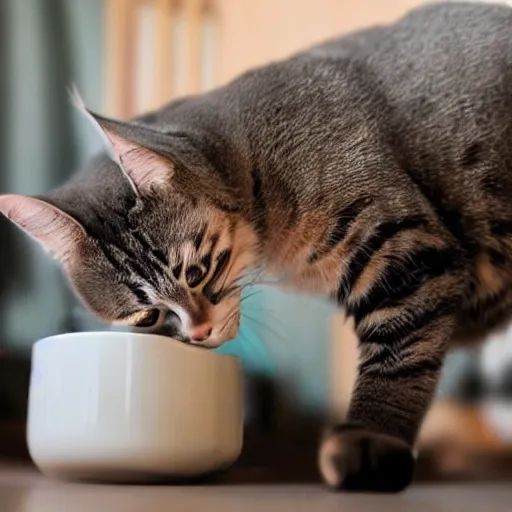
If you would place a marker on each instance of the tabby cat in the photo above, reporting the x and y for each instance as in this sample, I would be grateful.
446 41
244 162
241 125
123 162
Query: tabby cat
375 169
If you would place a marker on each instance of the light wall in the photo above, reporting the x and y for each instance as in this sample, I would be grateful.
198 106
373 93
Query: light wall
254 32
159 49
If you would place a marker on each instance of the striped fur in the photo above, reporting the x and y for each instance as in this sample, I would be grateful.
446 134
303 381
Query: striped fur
375 169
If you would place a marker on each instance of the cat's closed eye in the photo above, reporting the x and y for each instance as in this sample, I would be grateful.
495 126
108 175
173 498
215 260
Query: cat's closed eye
194 276
150 319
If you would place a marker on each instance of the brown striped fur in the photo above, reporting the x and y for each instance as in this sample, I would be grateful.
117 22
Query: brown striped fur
376 169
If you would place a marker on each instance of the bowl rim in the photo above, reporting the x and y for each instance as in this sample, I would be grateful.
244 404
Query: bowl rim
155 338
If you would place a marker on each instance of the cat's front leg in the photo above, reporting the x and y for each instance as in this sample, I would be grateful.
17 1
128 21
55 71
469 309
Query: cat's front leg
396 381
402 285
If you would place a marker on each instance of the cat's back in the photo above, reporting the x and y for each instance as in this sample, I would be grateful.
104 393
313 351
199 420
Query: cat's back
429 35
443 52
440 52
440 82
442 69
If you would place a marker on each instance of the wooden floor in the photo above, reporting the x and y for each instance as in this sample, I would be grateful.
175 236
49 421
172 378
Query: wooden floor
24 490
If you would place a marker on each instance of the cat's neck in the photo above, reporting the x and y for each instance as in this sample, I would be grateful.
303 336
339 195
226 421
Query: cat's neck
241 155
214 132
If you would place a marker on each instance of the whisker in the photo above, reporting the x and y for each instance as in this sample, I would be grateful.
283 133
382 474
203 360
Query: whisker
244 338
235 286
272 331
267 312
233 312
254 293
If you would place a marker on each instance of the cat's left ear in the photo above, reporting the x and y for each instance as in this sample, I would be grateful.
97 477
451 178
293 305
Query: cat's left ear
58 233
146 169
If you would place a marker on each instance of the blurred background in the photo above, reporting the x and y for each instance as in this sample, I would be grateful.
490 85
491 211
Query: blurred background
128 57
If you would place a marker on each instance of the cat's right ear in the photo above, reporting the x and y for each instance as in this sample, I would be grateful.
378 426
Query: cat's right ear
58 233
145 169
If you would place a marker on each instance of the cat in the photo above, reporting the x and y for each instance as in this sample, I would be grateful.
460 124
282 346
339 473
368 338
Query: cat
375 169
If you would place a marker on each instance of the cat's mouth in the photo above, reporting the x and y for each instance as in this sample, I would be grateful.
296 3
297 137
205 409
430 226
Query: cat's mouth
223 323
226 332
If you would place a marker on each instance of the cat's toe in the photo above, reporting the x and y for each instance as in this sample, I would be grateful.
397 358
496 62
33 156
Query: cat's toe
355 459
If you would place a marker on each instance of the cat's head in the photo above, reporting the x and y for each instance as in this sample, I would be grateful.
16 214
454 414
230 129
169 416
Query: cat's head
150 238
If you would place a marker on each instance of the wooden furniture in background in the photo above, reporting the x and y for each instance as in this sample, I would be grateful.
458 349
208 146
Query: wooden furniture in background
155 51
118 62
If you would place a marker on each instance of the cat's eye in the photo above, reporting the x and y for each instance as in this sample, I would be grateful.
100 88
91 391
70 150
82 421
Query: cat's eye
150 319
194 275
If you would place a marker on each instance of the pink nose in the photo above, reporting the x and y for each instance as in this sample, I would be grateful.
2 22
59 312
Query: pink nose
201 332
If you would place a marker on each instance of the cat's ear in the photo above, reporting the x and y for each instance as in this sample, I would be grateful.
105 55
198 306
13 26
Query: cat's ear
58 233
146 169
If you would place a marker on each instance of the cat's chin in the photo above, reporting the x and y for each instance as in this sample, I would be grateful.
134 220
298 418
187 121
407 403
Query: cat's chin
215 341
209 345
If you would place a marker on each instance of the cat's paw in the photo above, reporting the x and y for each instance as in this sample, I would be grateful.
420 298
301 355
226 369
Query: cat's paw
355 459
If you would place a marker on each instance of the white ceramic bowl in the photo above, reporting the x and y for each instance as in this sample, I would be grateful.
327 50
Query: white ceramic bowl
131 407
